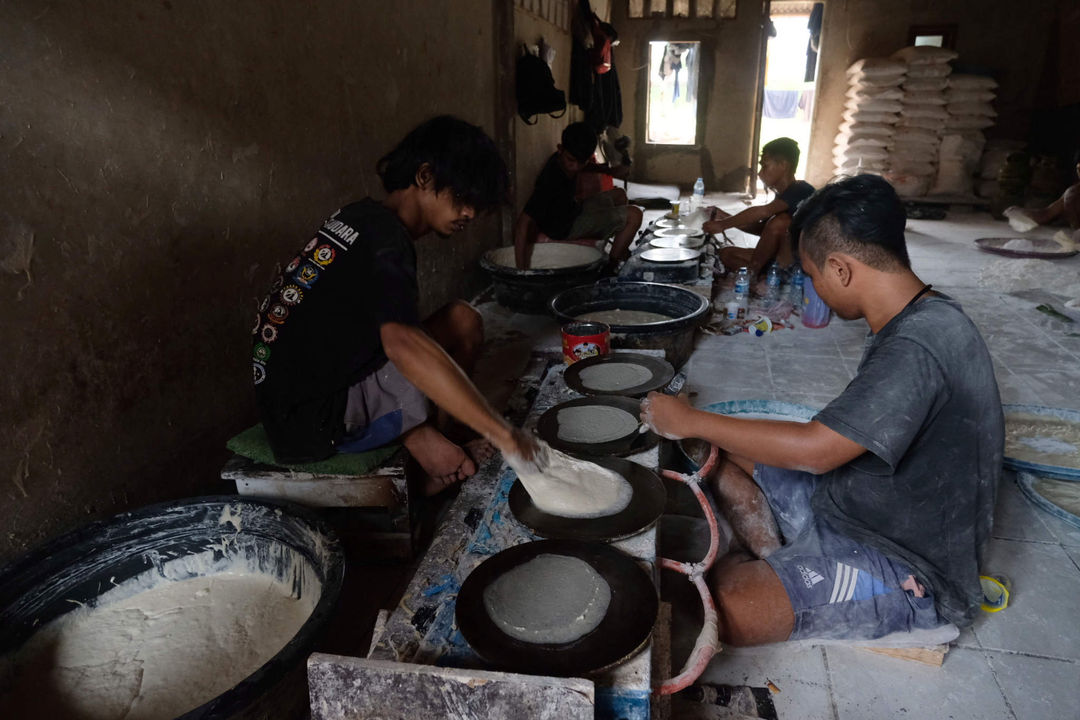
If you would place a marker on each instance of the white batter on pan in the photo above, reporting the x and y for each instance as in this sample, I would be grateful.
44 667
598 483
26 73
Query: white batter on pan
594 424
618 316
565 486
1043 440
614 376
552 599
159 652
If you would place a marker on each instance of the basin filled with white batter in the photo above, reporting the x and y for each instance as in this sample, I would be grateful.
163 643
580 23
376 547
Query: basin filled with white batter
553 268
196 609
642 315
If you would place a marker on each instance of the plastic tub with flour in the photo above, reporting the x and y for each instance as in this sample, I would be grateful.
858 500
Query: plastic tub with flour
200 608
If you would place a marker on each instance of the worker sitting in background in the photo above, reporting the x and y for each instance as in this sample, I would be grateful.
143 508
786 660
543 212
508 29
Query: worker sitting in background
342 361
1066 207
555 209
779 159
871 518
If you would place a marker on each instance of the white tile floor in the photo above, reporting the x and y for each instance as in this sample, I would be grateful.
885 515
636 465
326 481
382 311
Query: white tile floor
1023 663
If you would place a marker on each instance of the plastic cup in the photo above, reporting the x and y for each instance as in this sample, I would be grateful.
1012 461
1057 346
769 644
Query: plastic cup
815 313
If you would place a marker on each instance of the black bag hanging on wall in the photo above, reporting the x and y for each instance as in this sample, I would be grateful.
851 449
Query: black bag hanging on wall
536 91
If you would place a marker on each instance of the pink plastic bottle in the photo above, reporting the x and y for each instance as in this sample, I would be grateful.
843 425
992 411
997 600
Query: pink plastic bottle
815 313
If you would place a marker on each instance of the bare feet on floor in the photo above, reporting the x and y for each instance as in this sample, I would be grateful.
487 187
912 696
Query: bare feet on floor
444 462
480 450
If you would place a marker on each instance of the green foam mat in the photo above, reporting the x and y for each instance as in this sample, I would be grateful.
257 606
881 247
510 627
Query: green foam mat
253 444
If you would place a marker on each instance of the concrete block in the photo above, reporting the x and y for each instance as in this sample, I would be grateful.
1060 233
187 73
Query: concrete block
347 688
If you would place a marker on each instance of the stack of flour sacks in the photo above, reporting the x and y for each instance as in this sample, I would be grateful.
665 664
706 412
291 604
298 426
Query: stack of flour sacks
968 103
910 119
870 115
915 147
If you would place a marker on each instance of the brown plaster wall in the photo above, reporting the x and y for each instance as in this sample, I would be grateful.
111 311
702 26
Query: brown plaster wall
159 159
1002 36
726 104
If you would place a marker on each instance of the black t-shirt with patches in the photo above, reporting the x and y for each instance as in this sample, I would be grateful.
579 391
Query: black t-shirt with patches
318 328
552 205
925 405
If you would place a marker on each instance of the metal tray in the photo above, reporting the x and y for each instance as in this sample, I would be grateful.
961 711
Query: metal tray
622 633
1044 248
661 370
646 505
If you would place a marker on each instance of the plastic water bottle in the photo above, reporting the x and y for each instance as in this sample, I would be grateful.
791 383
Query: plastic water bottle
697 201
796 289
772 283
742 294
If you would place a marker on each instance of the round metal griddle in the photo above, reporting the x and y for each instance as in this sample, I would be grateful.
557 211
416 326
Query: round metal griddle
1044 248
680 230
671 255
677 241
661 370
622 633
547 427
646 505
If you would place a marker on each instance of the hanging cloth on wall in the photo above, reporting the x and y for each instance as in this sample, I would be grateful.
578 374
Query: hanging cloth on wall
597 93
814 43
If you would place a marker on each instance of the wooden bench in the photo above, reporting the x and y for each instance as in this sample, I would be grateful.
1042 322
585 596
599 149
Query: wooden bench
376 513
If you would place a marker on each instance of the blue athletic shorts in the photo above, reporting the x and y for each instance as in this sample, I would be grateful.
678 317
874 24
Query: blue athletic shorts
839 588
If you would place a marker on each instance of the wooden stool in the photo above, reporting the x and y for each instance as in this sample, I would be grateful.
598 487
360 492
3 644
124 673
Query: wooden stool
376 513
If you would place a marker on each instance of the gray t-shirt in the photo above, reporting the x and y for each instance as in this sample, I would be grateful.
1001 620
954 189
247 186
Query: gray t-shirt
925 404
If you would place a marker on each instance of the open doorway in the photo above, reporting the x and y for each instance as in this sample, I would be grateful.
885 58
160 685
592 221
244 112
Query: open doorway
787 102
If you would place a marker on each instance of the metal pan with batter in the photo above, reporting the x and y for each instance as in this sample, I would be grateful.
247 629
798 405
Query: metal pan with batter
547 427
623 632
661 374
646 505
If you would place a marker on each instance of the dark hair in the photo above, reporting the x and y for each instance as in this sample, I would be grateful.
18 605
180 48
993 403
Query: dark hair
784 149
861 216
579 140
461 156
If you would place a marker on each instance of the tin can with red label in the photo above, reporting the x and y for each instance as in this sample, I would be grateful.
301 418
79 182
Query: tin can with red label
581 340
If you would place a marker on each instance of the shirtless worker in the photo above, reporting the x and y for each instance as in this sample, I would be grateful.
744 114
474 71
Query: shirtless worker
779 159
871 518
342 360
555 208
1066 207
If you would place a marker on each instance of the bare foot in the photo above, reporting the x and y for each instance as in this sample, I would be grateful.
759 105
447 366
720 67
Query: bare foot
480 450
444 462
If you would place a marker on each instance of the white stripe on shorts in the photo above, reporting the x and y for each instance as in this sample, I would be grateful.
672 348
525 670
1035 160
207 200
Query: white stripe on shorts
844 585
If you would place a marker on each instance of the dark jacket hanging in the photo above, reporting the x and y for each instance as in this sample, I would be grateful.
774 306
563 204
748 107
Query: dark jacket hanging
598 95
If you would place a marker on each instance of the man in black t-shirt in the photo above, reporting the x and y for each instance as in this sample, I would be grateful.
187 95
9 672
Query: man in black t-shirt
871 518
556 210
342 360
779 159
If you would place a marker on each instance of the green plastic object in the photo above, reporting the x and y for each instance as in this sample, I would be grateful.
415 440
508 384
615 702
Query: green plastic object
253 444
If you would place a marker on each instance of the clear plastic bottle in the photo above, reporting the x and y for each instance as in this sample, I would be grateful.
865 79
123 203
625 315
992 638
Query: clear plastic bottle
742 293
795 291
697 200
772 283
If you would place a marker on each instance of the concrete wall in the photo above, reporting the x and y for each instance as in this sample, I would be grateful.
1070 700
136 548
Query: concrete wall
159 160
1001 36
726 104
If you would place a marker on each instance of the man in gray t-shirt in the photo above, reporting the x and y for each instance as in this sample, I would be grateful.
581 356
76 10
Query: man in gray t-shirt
871 518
